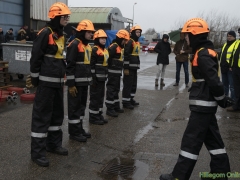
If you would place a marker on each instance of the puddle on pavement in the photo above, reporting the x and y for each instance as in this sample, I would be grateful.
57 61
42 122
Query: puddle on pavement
143 132
124 168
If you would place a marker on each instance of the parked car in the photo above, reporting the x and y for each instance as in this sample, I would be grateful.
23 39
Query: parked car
150 47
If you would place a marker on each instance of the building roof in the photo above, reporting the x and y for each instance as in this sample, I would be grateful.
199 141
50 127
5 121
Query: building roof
95 14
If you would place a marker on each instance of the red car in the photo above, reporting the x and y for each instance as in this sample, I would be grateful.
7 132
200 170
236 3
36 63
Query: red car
150 47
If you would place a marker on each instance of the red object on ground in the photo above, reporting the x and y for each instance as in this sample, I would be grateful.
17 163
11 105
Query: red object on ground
3 92
16 89
3 97
27 97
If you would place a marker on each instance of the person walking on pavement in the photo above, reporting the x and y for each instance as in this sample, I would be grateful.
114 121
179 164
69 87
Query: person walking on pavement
47 72
224 58
99 70
206 93
181 50
235 67
131 65
163 49
115 66
79 76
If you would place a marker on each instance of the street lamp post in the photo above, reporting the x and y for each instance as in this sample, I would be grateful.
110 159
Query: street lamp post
133 12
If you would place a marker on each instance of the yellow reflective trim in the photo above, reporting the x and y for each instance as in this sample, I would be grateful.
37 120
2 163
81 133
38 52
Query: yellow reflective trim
136 48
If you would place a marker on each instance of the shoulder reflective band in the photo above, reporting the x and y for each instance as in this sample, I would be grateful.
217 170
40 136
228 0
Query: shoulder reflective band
203 103
74 121
39 135
217 151
79 62
54 128
189 155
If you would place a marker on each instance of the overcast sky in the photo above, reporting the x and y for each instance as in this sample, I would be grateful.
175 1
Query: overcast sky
163 14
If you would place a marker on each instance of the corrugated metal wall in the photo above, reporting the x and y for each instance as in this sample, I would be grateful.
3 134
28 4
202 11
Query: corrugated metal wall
39 8
11 14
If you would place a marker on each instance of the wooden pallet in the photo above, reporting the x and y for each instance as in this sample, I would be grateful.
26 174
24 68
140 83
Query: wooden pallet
4 75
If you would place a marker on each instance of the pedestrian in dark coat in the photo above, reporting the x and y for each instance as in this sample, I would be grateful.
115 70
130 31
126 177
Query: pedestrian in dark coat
163 49
9 35
2 40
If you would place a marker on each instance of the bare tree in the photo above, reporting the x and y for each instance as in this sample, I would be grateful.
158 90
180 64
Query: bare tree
219 24
150 31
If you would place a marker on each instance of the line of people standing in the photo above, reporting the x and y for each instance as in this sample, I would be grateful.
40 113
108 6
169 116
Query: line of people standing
85 65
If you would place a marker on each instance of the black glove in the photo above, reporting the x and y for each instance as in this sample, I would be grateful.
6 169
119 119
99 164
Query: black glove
226 102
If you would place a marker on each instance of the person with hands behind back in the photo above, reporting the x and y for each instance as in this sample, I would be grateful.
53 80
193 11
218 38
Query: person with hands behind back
79 77
99 70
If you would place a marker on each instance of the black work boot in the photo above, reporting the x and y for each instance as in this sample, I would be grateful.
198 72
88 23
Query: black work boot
58 150
42 161
134 103
167 177
112 113
103 119
128 106
119 110
176 84
79 138
83 132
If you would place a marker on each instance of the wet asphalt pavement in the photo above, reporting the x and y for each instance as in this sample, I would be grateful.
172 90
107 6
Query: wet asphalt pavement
140 144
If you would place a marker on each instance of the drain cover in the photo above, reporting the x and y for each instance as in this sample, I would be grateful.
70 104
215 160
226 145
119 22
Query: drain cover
119 169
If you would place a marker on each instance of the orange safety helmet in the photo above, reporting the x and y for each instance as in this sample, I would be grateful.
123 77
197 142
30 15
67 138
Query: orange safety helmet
58 9
99 34
135 28
122 33
86 25
195 26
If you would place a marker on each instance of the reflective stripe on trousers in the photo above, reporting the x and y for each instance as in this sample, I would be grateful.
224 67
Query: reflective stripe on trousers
39 135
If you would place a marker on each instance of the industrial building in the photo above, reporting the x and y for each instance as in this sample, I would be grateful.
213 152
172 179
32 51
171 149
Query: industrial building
16 13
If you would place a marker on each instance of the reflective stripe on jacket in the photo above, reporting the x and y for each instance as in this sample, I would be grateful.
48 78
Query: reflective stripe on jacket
78 69
115 61
230 51
46 64
131 55
99 63
206 88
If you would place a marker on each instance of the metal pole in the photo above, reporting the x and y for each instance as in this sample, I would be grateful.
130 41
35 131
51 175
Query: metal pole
133 13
